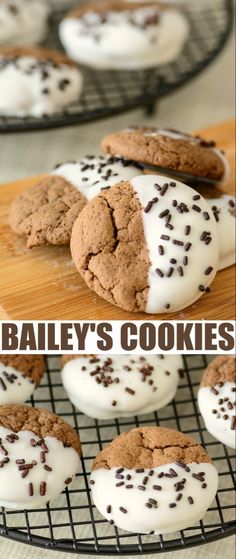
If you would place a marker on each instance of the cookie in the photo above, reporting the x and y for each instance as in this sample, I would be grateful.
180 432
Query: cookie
153 246
23 22
39 456
36 82
153 479
217 399
169 149
19 376
45 213
120 35
121 385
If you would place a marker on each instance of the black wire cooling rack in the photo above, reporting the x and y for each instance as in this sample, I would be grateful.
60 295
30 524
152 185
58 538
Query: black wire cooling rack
108 93
71 523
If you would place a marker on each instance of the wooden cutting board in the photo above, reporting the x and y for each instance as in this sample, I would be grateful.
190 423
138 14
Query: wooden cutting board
42 283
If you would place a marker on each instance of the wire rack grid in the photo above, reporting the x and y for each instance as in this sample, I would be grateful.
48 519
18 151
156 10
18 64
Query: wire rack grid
109 93
72 523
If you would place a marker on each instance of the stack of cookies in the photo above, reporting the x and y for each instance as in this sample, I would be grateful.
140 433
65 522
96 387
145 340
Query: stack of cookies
153 469
156 243
39 82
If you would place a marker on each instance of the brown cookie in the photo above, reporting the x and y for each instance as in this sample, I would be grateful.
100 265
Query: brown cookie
41 422
221 369
104 6
40 456
105 253
40 53
32 366
149 447
116 256
155 479
45 213
169 149
19 376
217 399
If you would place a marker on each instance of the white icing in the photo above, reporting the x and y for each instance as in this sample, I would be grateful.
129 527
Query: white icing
27 25
100 172
226 229
117 43
95 400
217 426
176 291
14 489
161 519
26 91
15 387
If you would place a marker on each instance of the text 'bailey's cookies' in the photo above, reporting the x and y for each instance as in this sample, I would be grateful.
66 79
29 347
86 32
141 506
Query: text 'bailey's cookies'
117 337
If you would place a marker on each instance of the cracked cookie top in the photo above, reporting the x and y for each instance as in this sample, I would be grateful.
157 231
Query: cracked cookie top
46 212
41 422
169 149
150 447
222 369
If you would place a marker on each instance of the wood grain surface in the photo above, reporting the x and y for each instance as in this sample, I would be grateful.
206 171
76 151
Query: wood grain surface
42 283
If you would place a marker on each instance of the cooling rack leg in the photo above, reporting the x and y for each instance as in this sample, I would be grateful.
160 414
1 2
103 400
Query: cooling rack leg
151 107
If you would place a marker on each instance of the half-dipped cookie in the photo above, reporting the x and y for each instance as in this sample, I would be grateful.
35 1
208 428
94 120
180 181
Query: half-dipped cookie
121 385
46 212
153 246
120 35
23 21
36 81
39 456
169 149
153 479
19 376
217 399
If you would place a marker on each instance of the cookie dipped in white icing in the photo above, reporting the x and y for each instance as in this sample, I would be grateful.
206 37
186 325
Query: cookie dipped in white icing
39 457
111 35
94 173
217 399
37 82
121 385
19 376
153 479
155 248
23 22
171 150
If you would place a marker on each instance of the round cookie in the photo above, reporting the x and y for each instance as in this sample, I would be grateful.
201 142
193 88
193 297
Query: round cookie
46 212
39 456
36 82
217 399
120 35
121 385
153 246
23 21
19 376
169 149
153 479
